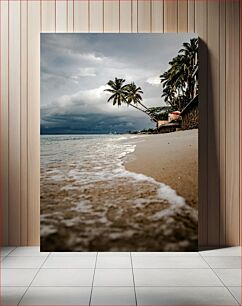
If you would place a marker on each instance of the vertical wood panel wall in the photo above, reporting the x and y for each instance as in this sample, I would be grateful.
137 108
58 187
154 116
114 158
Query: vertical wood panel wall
216 22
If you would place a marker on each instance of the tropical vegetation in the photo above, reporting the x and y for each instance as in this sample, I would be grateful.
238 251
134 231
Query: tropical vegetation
129 94
179 82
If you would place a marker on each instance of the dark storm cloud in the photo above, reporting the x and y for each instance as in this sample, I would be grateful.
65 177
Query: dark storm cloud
91 124
76 67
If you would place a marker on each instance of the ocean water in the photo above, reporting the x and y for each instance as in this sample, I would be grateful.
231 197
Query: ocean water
90 202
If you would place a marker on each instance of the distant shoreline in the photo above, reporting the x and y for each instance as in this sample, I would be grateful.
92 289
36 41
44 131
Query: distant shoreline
171 159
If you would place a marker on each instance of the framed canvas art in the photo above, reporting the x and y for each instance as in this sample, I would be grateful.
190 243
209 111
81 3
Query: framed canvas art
119 142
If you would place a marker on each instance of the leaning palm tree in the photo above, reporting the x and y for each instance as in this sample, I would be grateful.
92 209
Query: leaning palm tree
117 89
129 94
134 94
134 98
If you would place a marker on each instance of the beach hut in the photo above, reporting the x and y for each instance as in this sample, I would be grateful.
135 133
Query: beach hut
174 116
161 122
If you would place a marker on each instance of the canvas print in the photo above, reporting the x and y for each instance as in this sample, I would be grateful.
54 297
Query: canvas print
119 142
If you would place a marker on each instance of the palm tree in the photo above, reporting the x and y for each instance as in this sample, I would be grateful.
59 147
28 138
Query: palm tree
180 80
118 91
190 52
134 94
129 94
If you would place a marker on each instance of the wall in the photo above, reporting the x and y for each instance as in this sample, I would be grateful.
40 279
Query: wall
216 22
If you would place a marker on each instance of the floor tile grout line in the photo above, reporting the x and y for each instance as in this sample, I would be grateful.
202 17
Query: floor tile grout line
90 299
204 259
91 267
220 280
51 254
218 255
16 257
239 302
24 268
105 286
33 279
3 258
135 295
215 271
14 248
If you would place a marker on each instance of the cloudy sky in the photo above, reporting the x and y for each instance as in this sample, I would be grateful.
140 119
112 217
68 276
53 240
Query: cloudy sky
76 67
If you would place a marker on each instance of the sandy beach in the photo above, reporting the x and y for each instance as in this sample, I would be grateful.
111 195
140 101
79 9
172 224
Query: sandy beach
90 202
171 159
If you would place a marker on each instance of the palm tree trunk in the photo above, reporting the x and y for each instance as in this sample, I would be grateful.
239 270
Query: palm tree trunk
143 106
153 118
140 109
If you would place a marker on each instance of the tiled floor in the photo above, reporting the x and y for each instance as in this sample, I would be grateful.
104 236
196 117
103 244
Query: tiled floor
29 277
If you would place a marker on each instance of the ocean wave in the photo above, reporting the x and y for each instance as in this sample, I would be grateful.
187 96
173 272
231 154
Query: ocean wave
85 181
102 160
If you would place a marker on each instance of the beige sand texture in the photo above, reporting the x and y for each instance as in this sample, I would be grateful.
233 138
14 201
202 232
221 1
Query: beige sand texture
83 210
171 159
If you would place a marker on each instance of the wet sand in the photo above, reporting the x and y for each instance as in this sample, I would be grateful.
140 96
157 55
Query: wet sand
171 159
89 202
